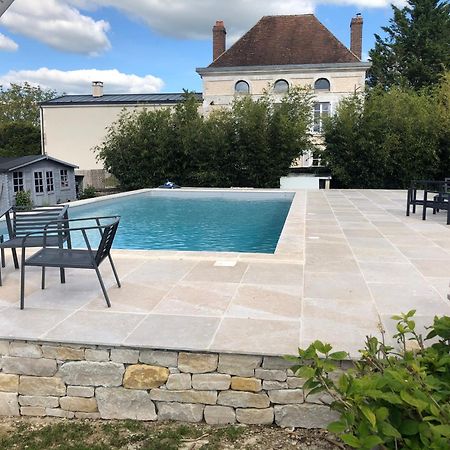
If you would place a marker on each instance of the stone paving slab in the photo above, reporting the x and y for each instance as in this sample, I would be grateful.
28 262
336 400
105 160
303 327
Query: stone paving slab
347 260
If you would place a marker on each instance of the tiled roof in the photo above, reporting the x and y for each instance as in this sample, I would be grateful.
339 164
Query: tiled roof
119 99
286 40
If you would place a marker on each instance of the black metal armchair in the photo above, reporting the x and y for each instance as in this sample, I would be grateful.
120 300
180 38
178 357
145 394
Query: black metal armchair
21 222
73 258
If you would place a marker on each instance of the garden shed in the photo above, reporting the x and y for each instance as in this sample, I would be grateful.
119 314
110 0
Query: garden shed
49 180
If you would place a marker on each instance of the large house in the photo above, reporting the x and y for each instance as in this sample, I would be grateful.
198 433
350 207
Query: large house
277 53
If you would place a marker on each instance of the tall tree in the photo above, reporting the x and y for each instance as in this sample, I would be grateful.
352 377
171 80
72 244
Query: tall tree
416 50
20 102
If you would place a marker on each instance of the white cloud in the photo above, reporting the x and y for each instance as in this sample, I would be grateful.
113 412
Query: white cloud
57 24
7 44
79 81
194 19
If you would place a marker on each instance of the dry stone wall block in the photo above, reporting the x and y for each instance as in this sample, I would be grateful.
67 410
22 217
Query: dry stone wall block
87 373
239 399
304 416
9 382
29 366
120 403
9 405
99 355
52 386
179 381
197 362
246 384
251 416
25 350
272 375
211 381
88 405
159 358
219 415
124 356
38 400
188 396
286 396
183 412
240 365
80 391
142 376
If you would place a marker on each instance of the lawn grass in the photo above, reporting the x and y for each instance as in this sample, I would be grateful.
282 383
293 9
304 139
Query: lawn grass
86 435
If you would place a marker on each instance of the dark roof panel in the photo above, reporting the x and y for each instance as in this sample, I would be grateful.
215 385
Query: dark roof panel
6 164
120 99
286 40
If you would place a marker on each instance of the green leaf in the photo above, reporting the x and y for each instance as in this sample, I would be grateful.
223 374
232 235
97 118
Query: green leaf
409 427
351 440
371 441
413 401
305 372
382 413
443 430
389 430
337 427
338 356
369 415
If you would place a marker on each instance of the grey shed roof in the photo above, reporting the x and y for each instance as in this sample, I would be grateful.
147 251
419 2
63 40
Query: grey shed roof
119 99
10 164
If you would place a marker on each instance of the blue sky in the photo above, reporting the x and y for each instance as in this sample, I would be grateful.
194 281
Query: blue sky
145 45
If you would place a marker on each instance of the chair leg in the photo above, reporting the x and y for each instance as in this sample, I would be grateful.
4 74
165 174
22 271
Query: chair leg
99 276
22 286
62 275
114 271
16 261
43 278
3 257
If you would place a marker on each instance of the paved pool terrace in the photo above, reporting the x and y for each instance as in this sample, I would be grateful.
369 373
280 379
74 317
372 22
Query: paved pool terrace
347 260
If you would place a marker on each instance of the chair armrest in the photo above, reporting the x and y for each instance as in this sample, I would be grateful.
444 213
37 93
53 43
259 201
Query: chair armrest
67 229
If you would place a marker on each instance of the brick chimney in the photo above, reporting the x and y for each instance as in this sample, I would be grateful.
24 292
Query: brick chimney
356 35
219 39
97 88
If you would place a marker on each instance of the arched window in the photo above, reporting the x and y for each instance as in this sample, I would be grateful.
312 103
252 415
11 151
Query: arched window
241 87
322 84
281 87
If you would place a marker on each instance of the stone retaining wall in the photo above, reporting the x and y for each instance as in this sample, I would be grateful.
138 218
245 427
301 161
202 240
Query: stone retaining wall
124 383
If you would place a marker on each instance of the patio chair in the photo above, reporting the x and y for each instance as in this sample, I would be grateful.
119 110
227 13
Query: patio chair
20 222
73 258
431 192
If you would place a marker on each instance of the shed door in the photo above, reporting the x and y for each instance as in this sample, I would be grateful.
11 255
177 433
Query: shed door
44 188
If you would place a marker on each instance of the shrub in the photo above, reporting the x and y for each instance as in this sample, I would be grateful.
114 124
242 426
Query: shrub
393 398
88 192
384 140
251 144
23 199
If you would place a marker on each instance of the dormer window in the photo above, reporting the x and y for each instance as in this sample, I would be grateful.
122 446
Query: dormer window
281 87
241 88
322 84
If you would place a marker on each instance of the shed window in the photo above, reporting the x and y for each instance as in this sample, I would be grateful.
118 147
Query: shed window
18 181
281 87
321 110
49 179
322 84
38 183
64 178
242 87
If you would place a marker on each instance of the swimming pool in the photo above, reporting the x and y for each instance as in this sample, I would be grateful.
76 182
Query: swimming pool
194 221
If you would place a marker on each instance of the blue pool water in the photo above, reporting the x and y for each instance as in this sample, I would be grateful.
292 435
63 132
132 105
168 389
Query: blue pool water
174 220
